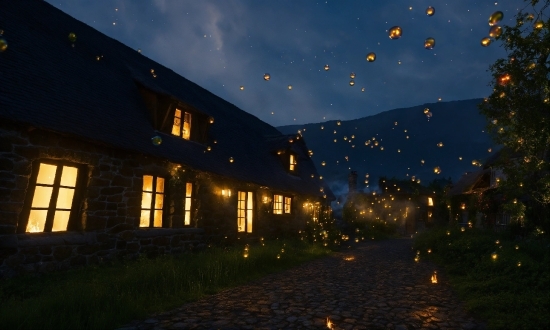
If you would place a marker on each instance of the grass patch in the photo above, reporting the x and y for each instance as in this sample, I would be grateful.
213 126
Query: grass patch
509 292
101 297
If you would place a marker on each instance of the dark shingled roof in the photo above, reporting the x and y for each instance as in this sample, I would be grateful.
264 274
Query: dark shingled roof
467 182
47 83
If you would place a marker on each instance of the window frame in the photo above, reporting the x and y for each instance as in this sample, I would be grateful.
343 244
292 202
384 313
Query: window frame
183 115
283 204
248 195
152 208
187 199
292 167
73 223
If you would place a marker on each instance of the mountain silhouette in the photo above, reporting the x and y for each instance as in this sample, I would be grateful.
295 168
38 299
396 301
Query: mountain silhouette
458 125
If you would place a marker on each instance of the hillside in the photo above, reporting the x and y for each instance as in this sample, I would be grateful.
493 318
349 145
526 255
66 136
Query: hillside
458 125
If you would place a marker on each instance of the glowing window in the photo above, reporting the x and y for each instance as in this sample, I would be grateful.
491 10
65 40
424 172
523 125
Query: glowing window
282 204
288 200
188 194
292 162
52 198
182 126
152 201
245 210
430 201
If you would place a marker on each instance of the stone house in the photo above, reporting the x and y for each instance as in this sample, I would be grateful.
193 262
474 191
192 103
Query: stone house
107 154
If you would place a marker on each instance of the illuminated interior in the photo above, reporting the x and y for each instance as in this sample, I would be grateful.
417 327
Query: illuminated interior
292 162
47 188
288 201
152 201
278 204
188 193
182 130
430 201
245 208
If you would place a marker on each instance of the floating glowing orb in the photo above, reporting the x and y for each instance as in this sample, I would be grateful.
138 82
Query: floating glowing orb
519 263
241 88
156 140
327 67
278 256
422 161
72 37
267 77
494 256
371 57
429 114
231 159
352 75
3 44
504 79
440 144
289 87
395 32
539 25
495 31
338 123
430 11
323 163
429 43
462 229
352 83
426 110
495 18
485 41
362 89
437 170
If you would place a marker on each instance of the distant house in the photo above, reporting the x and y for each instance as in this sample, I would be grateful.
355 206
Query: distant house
406 203
105 153
475 196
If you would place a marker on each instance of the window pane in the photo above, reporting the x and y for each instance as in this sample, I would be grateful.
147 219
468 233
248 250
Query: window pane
65 198
186 126
147 183
160 185
146 200
37 220
158 218
240 224
187 204
159 199
176 130
46 174
42 196
187 218
242 195
288 200
144 219
250 200
61 220
177 113
188 189
68 176
249 221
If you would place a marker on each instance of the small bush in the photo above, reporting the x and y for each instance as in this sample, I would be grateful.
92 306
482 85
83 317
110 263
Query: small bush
510 291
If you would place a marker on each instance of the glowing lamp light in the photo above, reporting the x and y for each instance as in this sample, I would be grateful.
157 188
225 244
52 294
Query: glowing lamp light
434 278
430 11
371 57
437 170
352 75
416 258
329 323
539 25
231 159
267 76
494 256
278 256
448 233
504 79
395 32
485 41
352 83
327 67
463 206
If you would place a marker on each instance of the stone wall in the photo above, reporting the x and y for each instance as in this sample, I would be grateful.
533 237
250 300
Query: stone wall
110 205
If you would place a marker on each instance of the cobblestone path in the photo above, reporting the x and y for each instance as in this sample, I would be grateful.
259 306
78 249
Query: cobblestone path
382 288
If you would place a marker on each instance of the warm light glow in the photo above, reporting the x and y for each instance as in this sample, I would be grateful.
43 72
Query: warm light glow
329 323
494 256
463 206
245 206
292 162
182 130
278 204
152 200
188 194
430 201
45 186
434 278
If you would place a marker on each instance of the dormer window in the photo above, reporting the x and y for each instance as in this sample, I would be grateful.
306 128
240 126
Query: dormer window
182 124
292 165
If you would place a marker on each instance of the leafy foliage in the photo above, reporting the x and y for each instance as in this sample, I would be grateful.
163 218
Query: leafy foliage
518 110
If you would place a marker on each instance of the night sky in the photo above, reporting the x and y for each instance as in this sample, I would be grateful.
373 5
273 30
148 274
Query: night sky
222 45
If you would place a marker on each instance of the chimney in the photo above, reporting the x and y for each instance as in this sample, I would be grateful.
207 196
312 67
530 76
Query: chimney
352 181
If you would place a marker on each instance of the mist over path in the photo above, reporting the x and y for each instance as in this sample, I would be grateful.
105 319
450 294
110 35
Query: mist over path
381 288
